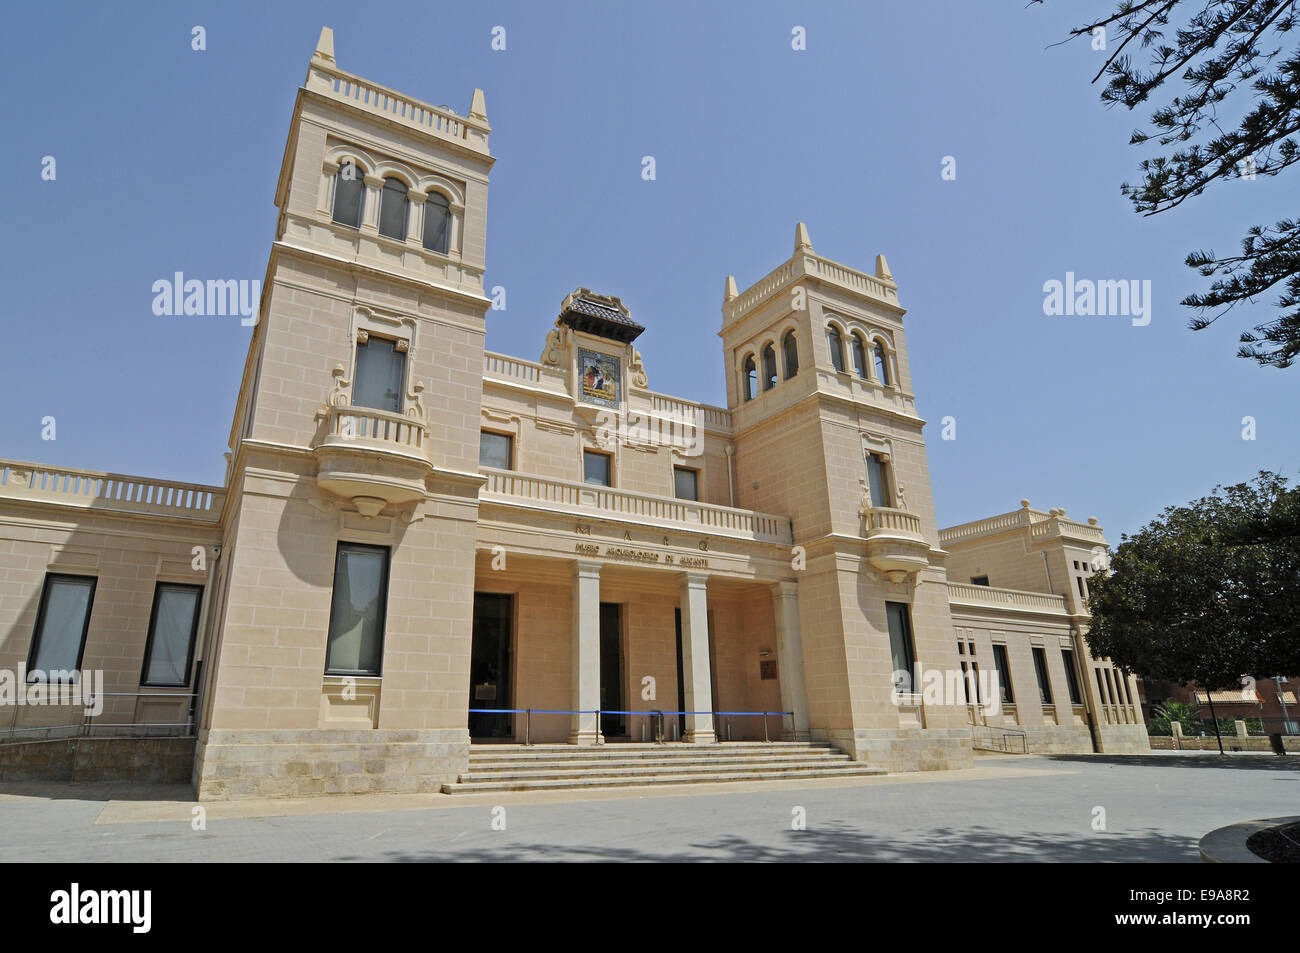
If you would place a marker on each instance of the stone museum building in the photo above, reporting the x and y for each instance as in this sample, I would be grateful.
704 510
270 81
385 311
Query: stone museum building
430 564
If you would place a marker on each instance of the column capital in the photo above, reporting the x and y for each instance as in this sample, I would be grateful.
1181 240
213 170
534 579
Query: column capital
785 589
694 580
587 568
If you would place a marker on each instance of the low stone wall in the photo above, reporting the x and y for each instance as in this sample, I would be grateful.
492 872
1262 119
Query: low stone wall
1291 743
905 749
1057 739
1124 739
138 760
234 764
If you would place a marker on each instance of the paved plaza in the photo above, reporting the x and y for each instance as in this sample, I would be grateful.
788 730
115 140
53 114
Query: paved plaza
1156 807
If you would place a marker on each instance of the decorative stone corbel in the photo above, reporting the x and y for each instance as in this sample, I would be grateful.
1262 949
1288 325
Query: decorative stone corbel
339 395
552 352
416 409
637 368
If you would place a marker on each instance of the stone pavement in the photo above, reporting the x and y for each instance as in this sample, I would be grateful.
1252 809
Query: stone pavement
1153 807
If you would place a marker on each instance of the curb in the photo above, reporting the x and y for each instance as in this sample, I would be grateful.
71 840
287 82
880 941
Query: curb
1227 845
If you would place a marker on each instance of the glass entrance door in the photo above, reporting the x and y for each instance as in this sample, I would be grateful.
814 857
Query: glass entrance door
489 667
611 671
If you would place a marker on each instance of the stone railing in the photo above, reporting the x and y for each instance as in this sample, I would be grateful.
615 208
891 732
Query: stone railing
1013 599
709 417
92 490
887 519
365 428
335 83
512 368
1059 526
583 499
984 527
815 266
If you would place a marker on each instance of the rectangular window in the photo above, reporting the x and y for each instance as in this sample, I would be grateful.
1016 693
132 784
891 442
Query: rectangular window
1072 677
979 580
878 481
1040 669
61 624
686 483
901 651
1003 668
379 376
358 610
495 450
595 468
173 625
1083 593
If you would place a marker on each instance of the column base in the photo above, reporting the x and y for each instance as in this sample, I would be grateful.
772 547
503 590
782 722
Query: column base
802 734
699 737
586 738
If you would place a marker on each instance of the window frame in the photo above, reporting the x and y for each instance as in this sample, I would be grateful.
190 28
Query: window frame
356 370
695 475
749 378
1072 683
153 631
790 353
1044 678
609 468
510 447
908 643
836 347
383 608
33 650
1002 665
860 357
880 364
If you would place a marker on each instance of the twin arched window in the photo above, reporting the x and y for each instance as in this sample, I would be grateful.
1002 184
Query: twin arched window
393 203
836 344
790 349
769 367
859 357
394 207
349 194
751 378
882 365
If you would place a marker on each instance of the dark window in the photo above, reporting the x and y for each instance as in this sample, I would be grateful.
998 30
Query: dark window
767 669
686 483
751 378
381 368
979 580
859 357
1003 668
358 610
1040 669
1083 594
901 650
595 468
1072 677
878 480
882 364
790 349
437 222
836 345
769 367
349 194
392 209
173 625
62 620
495 450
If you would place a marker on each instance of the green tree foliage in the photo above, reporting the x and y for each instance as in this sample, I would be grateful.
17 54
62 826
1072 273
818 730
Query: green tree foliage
1235 116
1206 592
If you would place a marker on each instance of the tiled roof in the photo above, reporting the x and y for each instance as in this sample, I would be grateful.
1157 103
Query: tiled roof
602 315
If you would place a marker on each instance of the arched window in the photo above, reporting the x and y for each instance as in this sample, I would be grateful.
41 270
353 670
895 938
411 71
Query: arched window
836 344
392 209
859 357
882 364
349 193
769 367
790 350
437 222
751 378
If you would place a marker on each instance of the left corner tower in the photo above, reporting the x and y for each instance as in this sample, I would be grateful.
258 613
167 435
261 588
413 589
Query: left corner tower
342 639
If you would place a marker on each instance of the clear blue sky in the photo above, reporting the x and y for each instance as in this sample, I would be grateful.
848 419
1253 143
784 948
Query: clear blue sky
167 161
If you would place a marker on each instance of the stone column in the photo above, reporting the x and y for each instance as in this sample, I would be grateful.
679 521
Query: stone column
789 658
585 656
695 657
415 218
370 210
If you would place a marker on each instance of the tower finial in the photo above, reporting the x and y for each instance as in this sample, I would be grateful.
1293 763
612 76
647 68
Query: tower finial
478 106
802 243
325 45
882 267
732 291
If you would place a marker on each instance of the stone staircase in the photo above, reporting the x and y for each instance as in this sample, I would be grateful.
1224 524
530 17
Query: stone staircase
616 765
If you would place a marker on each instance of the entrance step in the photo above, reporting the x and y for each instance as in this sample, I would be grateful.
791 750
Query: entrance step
495 768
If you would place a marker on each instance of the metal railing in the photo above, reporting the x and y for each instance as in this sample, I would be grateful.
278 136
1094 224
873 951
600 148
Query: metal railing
1007 740
656 720
85 727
